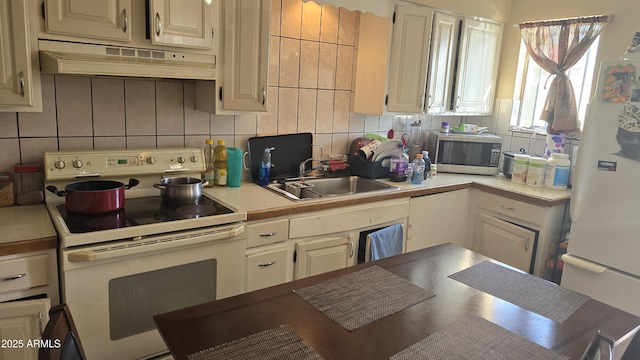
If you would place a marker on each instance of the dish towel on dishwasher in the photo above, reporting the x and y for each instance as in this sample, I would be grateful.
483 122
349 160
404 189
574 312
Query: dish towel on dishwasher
386 242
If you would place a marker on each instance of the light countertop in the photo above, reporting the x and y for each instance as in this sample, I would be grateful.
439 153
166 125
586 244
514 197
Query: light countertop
260 203
25 229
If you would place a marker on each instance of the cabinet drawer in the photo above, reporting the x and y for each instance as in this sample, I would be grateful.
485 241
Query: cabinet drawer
348 218
513 208
23 273
267 232
266 268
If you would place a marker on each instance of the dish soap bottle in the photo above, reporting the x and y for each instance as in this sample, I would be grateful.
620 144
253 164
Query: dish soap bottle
220 164
208 175
264 175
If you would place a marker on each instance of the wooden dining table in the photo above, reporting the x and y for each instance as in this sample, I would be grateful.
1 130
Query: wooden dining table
190 330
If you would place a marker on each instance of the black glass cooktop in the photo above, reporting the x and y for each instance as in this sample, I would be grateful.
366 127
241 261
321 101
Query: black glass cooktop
141 211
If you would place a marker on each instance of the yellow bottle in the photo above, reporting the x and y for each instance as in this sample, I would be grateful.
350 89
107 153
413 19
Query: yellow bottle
220 164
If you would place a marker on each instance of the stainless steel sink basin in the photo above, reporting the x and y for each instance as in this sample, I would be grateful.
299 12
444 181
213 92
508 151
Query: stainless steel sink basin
328 187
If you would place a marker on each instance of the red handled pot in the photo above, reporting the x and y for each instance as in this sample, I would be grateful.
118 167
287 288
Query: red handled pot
94 196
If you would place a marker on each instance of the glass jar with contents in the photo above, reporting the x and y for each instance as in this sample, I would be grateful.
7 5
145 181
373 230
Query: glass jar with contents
6 189
28 181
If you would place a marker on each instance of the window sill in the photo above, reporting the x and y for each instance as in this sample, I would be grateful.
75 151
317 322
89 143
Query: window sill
532 131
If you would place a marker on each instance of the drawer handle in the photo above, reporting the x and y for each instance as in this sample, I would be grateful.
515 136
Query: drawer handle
15 277
267 264
507 208
273 233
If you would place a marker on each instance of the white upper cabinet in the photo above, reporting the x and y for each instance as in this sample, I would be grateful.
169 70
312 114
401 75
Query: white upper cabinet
175 23
464 50
19 65
244 66
409 56
478 65
100 19
443 46
442 63
184 23
246 54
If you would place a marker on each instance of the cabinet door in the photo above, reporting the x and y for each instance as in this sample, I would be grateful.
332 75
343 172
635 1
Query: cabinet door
503 241
266 268
19 66
22 321
246 54
100 19
444 40
477 66
183 23
438 219
409 56
323 255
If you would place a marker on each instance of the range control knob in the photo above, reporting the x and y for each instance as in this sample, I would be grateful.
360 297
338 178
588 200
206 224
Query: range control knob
194 159
59 164
151 160
181 159
77 164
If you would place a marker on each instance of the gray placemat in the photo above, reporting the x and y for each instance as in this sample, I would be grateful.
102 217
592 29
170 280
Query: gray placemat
527 291
362 297
280 343
475 338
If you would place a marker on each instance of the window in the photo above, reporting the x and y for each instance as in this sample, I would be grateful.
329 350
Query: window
530 92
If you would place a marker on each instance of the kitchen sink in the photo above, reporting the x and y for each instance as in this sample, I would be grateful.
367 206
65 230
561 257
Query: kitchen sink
328 187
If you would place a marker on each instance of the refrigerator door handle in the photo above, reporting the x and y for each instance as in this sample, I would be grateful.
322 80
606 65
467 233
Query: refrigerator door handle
583 264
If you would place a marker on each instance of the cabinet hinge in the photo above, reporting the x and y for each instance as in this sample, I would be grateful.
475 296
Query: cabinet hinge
43 12
386 100
295 256
220 93
393 18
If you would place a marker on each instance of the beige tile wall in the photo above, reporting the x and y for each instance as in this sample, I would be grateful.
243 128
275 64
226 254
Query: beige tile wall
311 62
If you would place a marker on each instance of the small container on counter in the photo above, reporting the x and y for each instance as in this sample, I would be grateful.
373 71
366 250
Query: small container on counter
557 170
535 172
7 197
444 127
520 168
433 170
28 182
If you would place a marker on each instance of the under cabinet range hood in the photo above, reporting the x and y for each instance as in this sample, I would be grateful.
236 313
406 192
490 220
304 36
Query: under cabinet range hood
67 58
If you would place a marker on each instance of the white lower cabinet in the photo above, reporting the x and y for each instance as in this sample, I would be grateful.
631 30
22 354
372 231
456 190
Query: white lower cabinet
268 255
438 219
319 256
503 241
328 240
515 232
22 323
266 268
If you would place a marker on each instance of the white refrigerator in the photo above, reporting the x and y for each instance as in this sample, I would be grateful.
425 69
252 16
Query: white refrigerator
603 256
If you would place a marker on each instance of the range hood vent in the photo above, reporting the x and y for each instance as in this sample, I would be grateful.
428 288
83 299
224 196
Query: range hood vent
60 58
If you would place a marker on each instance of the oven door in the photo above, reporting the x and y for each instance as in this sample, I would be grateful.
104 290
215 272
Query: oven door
114 291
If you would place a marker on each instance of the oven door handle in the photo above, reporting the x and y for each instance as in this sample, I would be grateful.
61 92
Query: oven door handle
146 245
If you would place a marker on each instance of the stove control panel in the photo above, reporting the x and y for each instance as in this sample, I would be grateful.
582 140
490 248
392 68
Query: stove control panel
110 163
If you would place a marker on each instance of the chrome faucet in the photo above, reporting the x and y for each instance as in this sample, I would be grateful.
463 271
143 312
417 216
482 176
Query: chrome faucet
301 168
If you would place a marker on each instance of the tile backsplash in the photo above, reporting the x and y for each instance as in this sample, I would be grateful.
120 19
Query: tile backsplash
311 62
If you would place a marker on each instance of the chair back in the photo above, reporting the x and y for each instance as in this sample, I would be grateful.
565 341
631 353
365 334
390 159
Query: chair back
61 336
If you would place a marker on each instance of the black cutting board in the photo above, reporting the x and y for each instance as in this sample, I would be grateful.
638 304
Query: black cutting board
290 151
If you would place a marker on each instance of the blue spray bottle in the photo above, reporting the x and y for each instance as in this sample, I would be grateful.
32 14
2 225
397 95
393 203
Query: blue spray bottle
264 176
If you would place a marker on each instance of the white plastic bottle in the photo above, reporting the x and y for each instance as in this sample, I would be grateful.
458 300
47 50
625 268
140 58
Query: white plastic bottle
557 170
418 170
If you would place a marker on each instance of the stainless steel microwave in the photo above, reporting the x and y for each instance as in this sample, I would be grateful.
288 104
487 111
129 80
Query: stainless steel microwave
465 153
